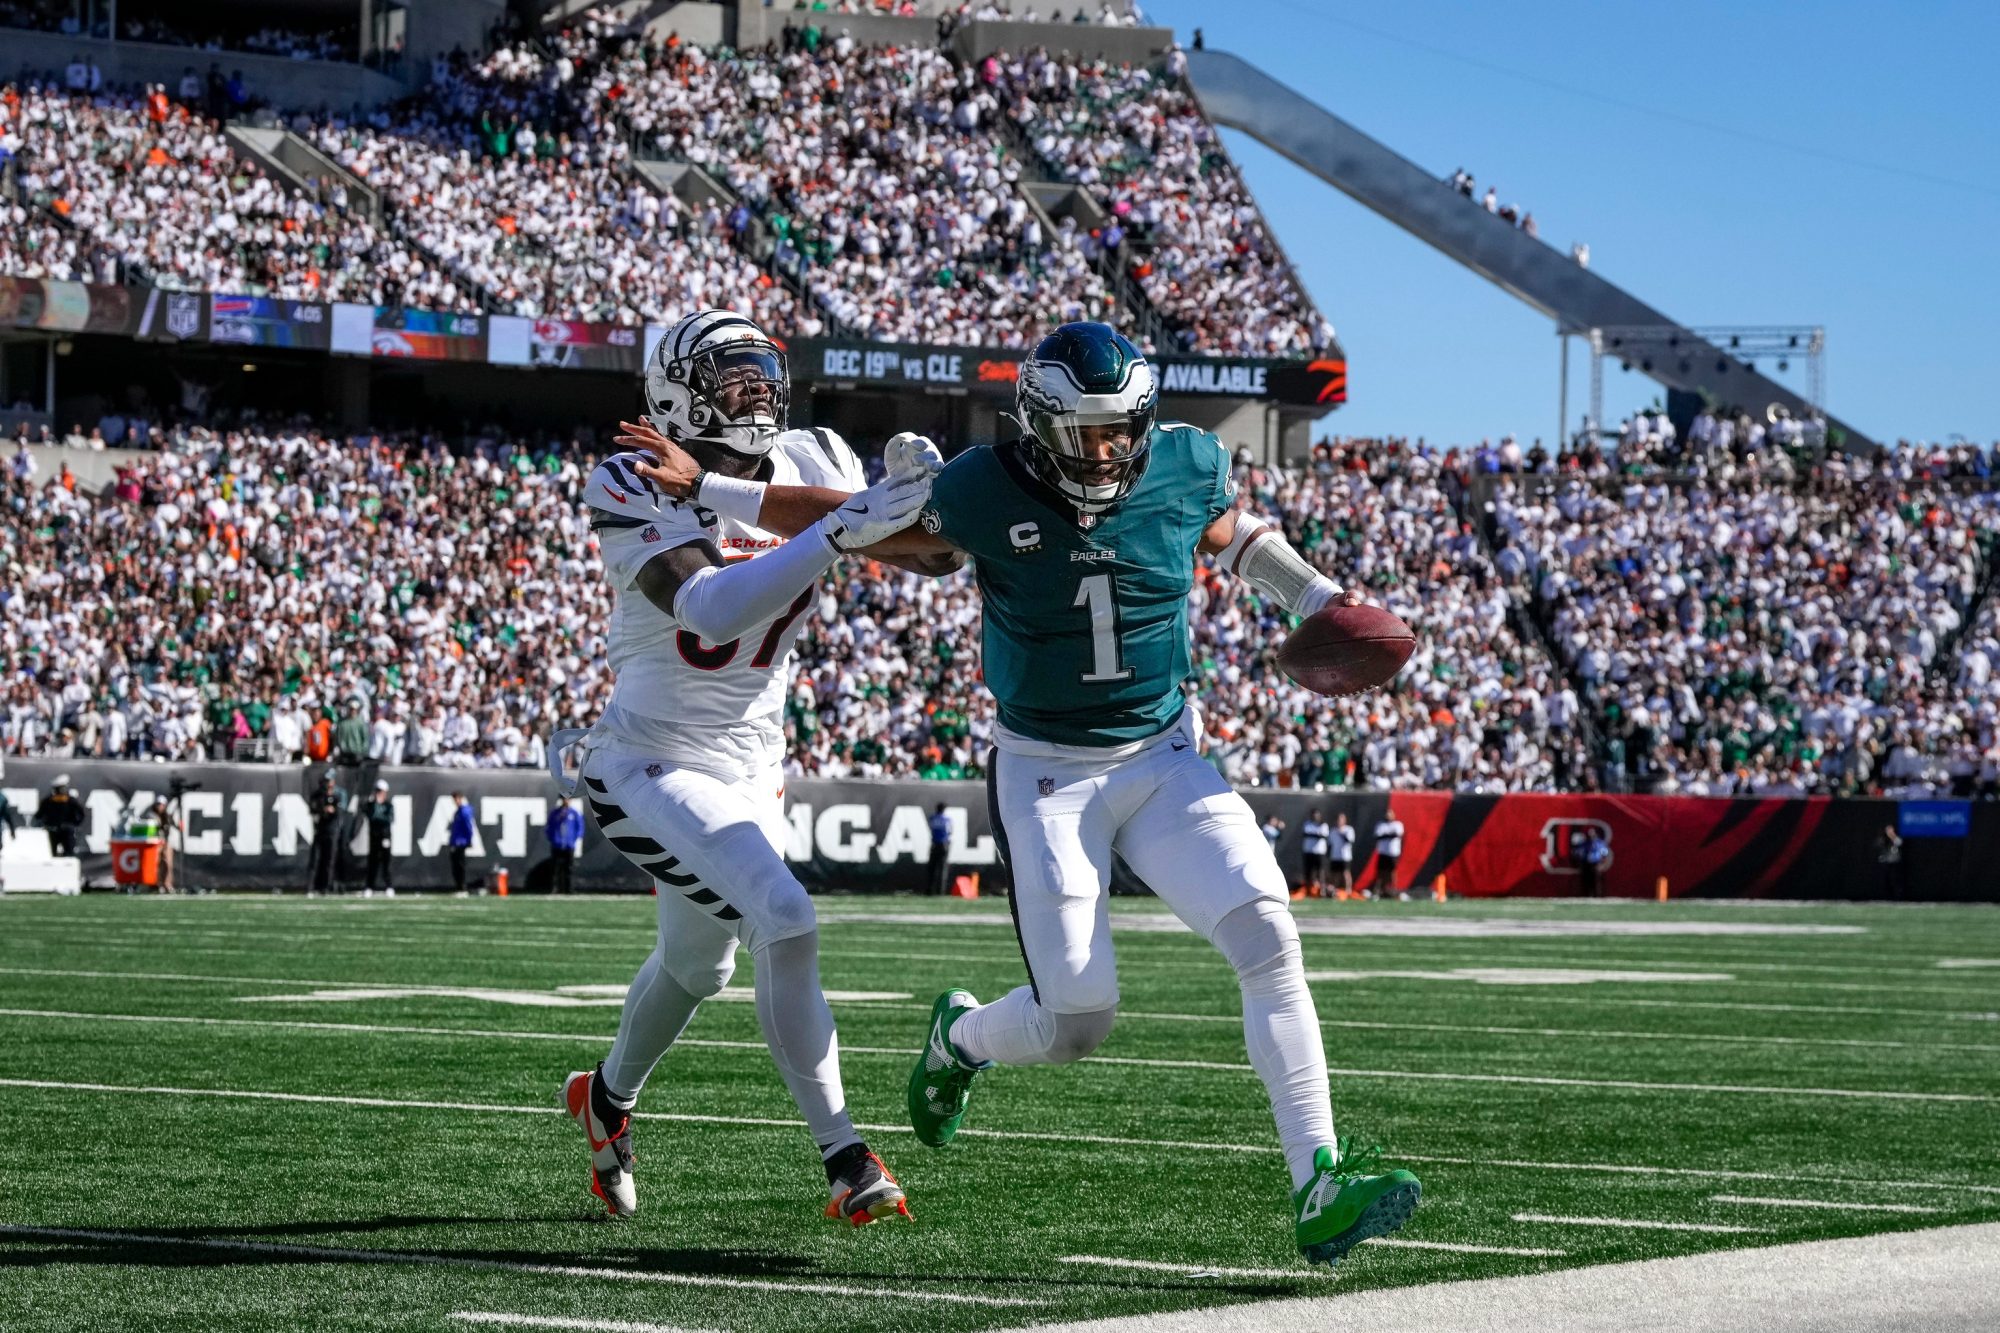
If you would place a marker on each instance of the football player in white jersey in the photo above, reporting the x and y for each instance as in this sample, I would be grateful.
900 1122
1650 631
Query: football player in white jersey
683 771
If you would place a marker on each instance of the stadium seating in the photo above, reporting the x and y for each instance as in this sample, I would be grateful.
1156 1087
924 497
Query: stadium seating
1741 634
887 180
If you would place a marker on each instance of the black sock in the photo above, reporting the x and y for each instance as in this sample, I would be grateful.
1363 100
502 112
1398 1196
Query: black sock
841 1162
608 1113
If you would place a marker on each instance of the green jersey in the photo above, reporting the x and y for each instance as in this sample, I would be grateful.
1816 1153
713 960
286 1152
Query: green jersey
1086 628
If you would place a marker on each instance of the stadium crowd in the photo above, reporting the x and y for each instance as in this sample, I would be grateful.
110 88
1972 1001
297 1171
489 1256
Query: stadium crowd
109 179
878 168
1137 140
887 179
378 597
1764 635
515 187
281 590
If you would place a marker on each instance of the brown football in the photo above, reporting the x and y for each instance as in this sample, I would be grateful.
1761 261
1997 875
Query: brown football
1347 649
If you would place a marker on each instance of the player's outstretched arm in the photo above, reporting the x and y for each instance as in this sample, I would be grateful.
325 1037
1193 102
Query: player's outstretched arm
1256 552
721 601
786 510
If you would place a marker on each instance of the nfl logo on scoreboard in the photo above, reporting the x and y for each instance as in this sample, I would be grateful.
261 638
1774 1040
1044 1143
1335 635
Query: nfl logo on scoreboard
183 315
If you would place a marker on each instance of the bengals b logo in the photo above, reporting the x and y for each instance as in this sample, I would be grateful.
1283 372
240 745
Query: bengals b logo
1558 835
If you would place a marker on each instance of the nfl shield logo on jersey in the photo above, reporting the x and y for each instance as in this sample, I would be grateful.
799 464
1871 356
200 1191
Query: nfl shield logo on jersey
651 534
1046 786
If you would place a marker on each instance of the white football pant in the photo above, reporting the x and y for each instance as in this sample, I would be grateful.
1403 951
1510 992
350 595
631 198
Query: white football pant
711 844
1059 817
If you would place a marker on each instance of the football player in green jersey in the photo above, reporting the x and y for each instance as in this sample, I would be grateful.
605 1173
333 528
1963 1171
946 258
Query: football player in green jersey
1084 536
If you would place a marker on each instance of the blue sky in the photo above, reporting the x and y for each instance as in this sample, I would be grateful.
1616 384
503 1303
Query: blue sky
1845 171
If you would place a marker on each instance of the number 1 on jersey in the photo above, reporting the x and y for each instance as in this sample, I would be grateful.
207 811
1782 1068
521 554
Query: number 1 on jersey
1095 595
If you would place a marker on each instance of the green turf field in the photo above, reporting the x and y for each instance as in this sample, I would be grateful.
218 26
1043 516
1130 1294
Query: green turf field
187 1140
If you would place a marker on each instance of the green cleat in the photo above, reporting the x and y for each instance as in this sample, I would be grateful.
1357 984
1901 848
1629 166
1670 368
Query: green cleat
1340 1207
941 1083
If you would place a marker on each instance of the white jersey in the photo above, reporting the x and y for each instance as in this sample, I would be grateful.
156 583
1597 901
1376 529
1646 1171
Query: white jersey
1312 835
1342 839
1389 837
702 704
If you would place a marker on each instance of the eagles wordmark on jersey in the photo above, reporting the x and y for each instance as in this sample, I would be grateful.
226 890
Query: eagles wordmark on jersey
1086 628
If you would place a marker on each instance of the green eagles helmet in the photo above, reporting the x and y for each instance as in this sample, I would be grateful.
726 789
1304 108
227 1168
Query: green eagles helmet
1083 375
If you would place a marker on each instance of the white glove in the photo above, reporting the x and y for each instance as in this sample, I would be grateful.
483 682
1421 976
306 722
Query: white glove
883 510
910 451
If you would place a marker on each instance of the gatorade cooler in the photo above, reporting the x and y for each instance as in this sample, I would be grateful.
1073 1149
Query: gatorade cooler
135 861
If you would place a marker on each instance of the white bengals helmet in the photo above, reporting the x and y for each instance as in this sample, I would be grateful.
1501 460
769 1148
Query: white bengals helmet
700 357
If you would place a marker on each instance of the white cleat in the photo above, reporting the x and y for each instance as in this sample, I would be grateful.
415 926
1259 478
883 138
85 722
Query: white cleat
610 1144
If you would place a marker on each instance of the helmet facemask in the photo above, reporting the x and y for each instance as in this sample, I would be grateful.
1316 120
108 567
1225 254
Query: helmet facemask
735 396
1061 422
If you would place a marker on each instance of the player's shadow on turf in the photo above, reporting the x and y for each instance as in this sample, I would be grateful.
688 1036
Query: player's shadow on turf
390 1222
155 1247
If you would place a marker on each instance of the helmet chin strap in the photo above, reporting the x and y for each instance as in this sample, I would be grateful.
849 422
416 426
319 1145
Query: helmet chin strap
761 438
728 437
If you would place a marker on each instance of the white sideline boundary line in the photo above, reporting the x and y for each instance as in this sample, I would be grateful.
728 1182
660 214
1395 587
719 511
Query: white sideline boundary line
1945 1280
504 1320
1427 1076
1636 1224
346 1255
1823 1203
1012 1134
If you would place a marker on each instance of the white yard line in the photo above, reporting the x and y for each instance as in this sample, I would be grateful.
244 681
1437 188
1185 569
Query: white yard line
1009 1134
1634 1224
1938 1281
1235 1019
1521 1251
1632 1085
1690 1172
1823 1203
362 942
498 1319
1414 926
1754 1089
1389 1242
1199 1270
343 1254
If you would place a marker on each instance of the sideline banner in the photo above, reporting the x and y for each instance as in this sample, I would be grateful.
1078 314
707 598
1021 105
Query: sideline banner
247 826
994 370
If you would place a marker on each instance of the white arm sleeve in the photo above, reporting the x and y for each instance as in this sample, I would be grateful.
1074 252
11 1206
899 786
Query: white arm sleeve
724 602
1260 556
731 497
